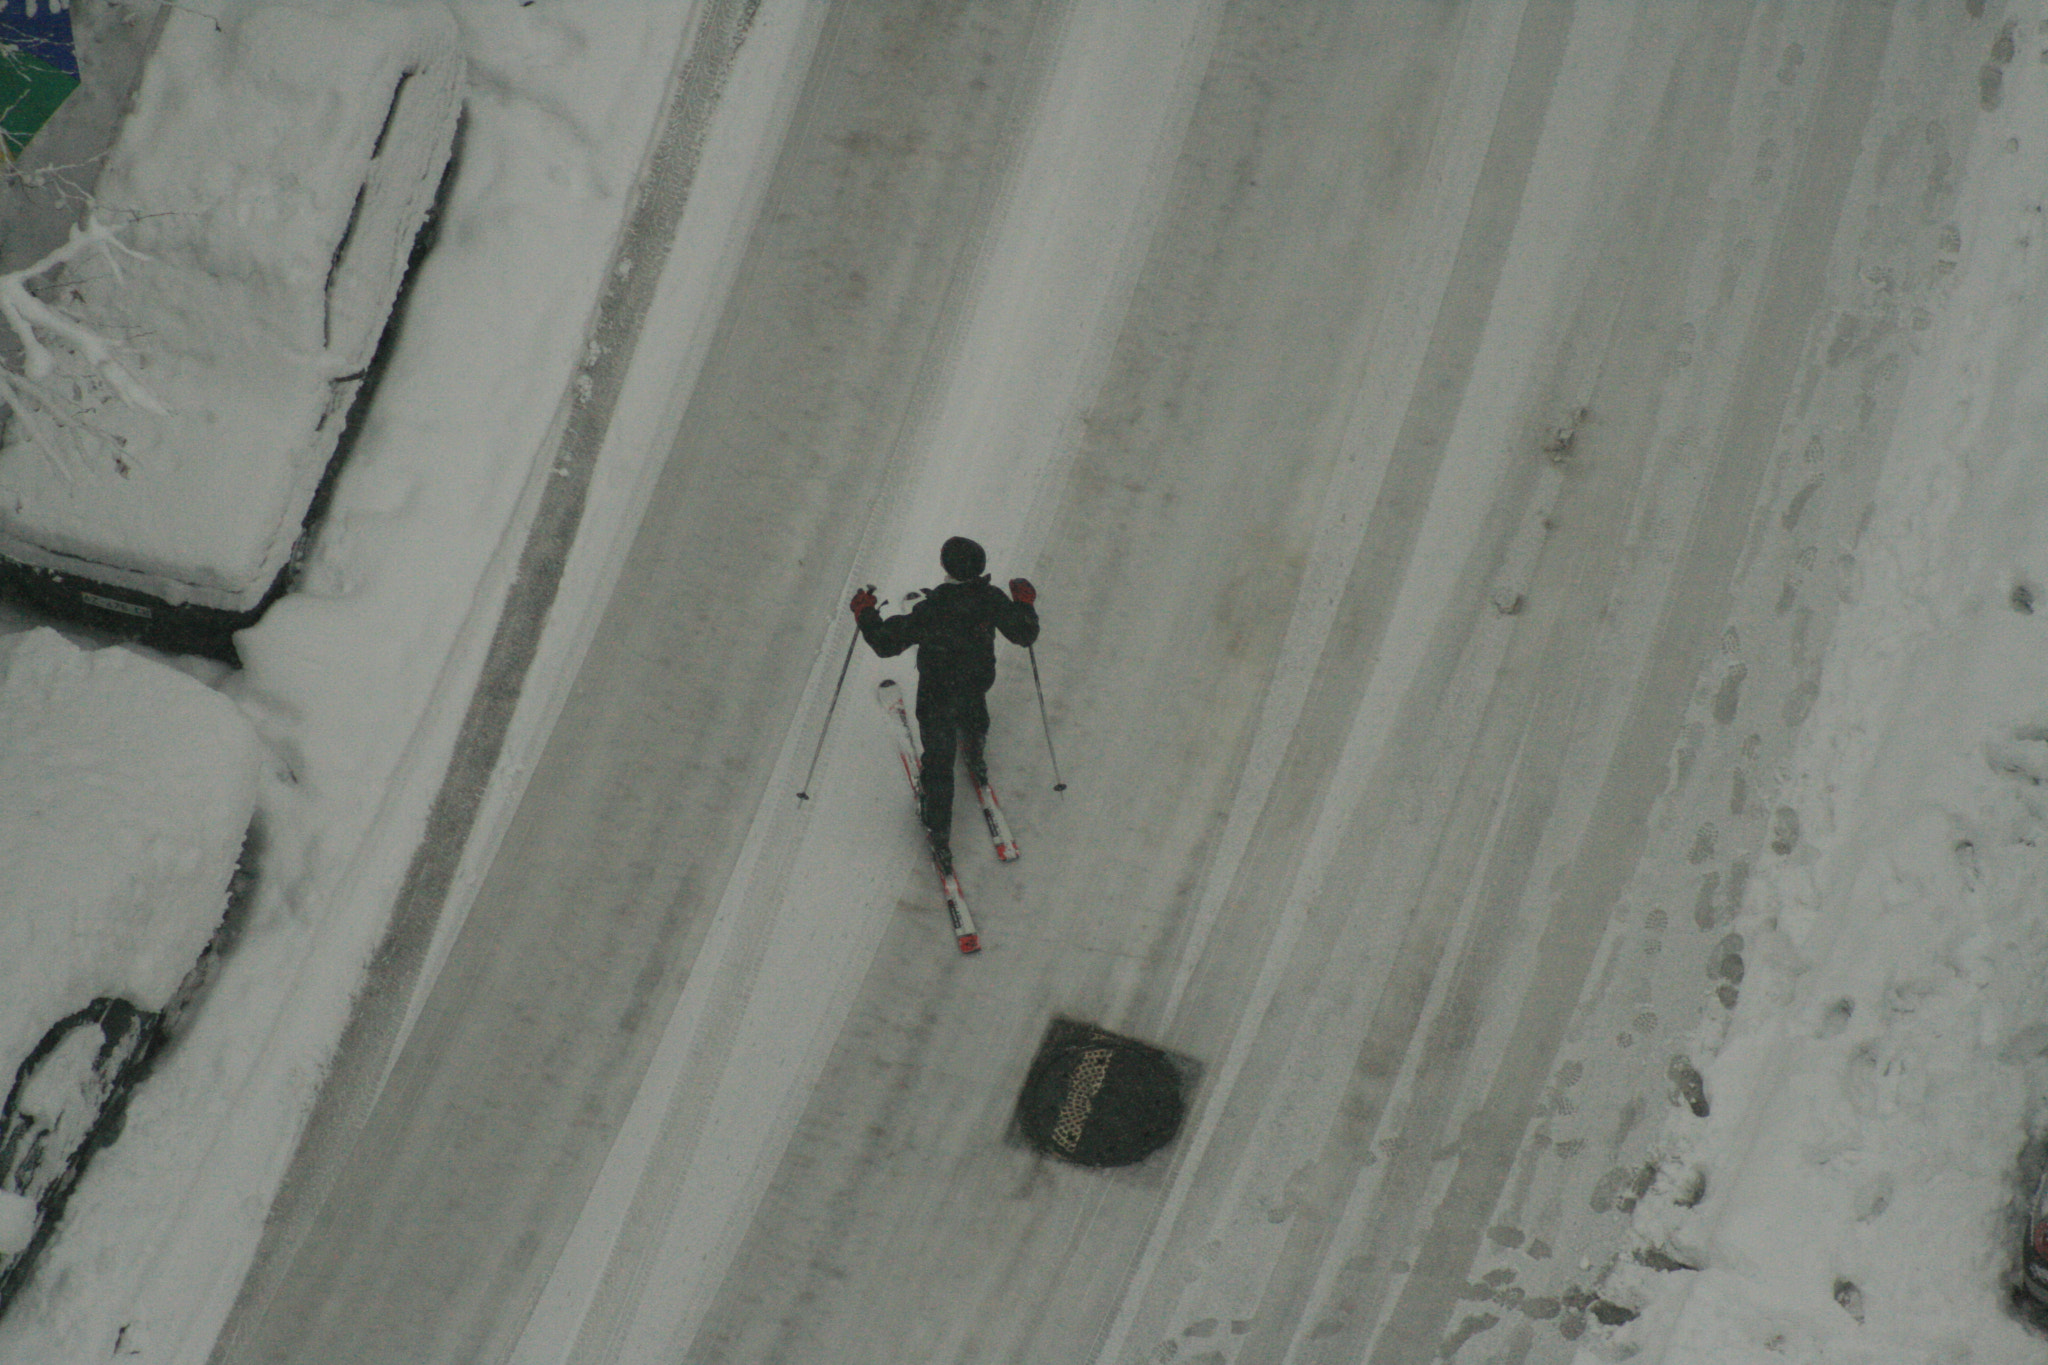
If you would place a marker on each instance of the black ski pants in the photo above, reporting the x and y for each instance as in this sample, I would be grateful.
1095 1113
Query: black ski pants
949 720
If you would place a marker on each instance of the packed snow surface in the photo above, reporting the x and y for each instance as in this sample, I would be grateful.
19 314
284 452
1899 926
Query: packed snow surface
1851 1192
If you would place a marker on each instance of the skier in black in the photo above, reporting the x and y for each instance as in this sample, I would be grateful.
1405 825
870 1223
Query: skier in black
953 627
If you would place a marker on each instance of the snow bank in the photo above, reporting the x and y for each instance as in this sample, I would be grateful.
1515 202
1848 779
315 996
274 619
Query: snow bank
17 1222
1848 1194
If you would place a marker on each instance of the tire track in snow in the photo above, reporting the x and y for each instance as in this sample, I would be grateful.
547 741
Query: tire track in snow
1487 168
544 527
793 934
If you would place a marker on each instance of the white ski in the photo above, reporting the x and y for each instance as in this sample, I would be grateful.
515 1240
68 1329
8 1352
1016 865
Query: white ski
998 828
890 697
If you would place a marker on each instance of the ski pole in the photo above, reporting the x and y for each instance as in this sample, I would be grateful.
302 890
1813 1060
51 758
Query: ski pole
1057 784
812 771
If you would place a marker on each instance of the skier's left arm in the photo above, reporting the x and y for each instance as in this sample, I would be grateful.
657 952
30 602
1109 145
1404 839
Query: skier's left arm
1018 617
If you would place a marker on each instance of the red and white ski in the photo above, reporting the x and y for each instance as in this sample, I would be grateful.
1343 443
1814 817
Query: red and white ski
890 696
992 816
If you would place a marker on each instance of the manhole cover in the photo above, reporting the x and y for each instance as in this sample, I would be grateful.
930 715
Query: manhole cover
1097 1098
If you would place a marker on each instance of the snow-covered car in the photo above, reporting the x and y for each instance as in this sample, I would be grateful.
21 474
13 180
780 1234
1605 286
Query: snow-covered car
125 835
2034 1247
275 179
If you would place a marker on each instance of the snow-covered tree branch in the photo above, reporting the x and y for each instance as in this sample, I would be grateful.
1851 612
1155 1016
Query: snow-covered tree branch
52 420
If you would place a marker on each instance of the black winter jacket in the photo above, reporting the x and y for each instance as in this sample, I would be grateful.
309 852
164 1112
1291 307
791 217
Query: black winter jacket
953 627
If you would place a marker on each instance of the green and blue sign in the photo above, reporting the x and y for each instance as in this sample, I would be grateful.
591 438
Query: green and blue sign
38 68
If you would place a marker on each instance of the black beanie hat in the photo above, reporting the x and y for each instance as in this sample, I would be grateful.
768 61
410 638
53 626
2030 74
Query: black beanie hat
961 558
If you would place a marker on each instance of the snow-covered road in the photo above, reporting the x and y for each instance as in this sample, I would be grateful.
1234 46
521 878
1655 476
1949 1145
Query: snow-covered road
1433 437
1441 436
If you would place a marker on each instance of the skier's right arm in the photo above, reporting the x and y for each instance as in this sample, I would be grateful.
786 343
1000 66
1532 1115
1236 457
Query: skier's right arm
886 637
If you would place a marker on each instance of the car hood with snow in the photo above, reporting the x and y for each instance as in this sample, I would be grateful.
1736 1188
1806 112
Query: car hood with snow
273 175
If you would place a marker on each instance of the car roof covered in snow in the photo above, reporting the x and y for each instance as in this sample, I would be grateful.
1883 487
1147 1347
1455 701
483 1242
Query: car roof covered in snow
130 788
257 150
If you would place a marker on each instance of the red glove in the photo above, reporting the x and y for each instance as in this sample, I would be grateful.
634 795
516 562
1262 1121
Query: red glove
864 600
1021 589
